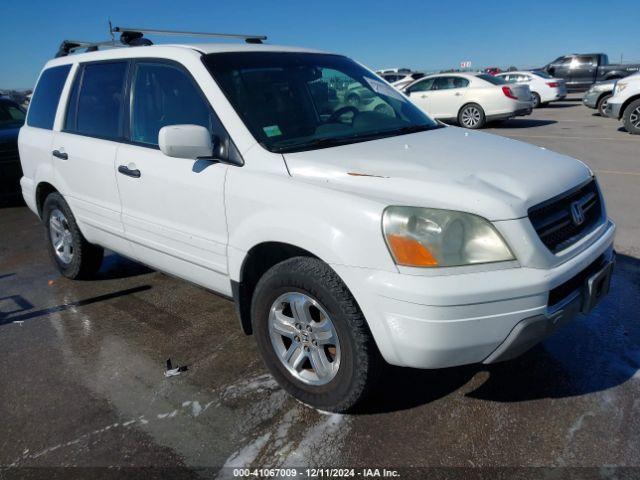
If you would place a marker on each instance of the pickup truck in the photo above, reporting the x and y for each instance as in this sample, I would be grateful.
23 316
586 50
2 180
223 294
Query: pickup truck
581 70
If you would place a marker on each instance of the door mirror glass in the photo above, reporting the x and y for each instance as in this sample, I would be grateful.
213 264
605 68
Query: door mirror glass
185 141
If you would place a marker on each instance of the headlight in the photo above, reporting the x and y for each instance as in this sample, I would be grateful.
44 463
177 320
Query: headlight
427 237
620 86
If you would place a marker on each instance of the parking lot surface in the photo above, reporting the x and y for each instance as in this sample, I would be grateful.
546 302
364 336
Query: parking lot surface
82 381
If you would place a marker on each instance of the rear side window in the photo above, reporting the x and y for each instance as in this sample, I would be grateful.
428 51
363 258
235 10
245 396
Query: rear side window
42 110
96 102
164 95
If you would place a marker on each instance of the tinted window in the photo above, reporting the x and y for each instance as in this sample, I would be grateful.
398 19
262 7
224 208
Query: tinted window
164 95
422 86
42 110
491 79
447 83
100 105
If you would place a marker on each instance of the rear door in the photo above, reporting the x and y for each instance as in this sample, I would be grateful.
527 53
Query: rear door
85 151
173 208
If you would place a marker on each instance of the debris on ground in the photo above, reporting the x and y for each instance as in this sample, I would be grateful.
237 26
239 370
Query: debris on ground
170 371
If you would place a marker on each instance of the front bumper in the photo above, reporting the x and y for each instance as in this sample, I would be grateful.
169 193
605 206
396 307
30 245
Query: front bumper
436 321
613 110
590 99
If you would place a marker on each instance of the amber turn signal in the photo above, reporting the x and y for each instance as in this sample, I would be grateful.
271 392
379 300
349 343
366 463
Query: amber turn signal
410 252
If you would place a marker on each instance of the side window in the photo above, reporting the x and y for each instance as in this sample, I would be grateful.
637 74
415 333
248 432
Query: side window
42 110
422 86
447 83
164 95
96 100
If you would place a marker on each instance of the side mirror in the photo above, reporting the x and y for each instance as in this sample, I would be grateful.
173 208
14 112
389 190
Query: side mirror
185 141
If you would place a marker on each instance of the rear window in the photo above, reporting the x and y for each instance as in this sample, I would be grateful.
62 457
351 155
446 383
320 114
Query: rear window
492 79
96 101
42 110
10 114
541 74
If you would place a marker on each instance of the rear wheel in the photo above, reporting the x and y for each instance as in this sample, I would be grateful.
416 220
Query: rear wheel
535 98
313 336
70 251
472 116
631 117
602 104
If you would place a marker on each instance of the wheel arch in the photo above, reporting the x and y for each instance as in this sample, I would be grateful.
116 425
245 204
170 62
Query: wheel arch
255 264
628 102
43 190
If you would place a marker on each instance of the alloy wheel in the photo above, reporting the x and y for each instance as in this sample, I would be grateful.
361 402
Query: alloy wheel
470 117
61 237
634 118
304 338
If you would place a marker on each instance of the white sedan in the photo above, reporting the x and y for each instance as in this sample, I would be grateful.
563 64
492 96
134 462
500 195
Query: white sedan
544 88
470 99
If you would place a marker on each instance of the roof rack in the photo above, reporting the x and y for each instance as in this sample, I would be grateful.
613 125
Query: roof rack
134 37
142 31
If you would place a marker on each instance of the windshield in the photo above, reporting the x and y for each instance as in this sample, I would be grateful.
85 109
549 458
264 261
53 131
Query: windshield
492 79
10 114
541 73
301 101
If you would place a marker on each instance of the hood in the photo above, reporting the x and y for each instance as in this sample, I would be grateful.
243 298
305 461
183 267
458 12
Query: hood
450 168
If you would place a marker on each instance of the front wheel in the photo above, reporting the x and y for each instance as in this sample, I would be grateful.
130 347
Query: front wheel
472 116
73 255
602 104
312 335
631 117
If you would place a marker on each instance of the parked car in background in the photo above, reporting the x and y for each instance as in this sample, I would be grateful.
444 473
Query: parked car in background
492 70
407 79
346 238
472 100
581 70
12 118
544 88
625 103
394 74
598 96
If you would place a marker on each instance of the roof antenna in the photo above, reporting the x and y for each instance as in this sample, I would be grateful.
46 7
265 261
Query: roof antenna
113 37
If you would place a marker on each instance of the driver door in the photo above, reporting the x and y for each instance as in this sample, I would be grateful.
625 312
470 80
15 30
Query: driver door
419 93
172 208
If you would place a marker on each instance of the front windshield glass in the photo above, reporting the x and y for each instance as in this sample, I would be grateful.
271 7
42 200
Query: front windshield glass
294 101
11 114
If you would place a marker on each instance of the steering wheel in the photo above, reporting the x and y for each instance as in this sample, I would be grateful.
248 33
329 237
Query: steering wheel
341 111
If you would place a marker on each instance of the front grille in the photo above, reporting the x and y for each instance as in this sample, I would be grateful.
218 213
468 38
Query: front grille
555 222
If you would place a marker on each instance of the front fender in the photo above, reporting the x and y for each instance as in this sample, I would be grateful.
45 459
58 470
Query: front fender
337 227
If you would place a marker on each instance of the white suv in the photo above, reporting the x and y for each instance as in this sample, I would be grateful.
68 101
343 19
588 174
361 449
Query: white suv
625 103
345 236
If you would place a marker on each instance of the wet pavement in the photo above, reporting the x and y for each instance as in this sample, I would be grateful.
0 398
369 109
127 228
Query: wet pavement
82 382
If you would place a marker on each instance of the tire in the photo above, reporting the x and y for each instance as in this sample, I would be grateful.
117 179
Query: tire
75 257
472 116
602 104
631 117
354 360
537 101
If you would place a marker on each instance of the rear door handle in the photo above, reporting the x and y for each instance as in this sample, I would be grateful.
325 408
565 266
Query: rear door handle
60 155
123 169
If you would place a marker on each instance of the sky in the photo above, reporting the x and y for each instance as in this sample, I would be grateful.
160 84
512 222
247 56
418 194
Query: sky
424 35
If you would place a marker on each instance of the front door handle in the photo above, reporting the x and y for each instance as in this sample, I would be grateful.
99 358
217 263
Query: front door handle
60 155
123 169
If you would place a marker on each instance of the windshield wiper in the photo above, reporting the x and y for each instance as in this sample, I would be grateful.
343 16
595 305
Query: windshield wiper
318 142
